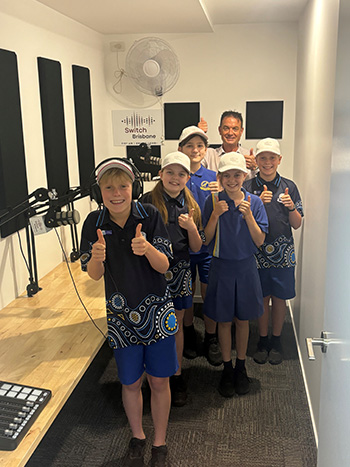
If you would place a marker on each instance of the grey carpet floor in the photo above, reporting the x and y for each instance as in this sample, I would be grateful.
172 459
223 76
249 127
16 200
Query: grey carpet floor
269 427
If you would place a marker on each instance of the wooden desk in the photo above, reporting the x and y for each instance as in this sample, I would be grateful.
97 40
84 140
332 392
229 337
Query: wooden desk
48 341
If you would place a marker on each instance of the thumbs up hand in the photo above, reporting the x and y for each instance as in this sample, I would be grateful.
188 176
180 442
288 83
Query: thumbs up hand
266 195
244 208
186 221
287 200
250 160
139 244
203 125
98 252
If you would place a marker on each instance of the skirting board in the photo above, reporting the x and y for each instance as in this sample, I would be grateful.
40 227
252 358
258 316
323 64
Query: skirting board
304 375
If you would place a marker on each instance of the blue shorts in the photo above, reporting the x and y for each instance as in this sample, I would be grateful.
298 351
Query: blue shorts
158 359
181 303
279 282
234 290
202 262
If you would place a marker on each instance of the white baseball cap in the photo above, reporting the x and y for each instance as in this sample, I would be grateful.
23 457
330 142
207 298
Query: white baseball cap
192 131
268 145
177 158
113 164
232 160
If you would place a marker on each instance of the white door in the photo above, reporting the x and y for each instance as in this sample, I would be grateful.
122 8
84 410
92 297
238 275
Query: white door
334 421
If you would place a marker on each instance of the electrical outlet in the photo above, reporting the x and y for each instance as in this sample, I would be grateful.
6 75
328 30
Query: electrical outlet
117 46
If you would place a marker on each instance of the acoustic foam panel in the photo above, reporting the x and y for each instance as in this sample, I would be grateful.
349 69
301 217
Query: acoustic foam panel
54 133
179 115
13 177
83 123
264 119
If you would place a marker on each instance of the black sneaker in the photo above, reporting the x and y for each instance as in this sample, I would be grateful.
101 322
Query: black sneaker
242 382
212 351
178 390
226 385
190 342
261 355
159 456
135 453
275 356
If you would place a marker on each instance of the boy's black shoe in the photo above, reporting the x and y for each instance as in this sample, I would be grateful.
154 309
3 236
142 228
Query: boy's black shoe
275 356
261 354
212 351
135 453
241 381
159 456
178 390
226 385
190 342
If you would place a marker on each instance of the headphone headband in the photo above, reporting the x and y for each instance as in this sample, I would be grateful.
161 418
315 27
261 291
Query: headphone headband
123 164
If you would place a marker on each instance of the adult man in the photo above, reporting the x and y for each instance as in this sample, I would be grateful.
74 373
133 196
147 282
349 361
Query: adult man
230 129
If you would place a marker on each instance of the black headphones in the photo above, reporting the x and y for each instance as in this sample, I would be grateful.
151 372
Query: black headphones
137 186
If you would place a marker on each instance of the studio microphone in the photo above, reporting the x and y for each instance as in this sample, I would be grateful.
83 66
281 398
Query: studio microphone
55 218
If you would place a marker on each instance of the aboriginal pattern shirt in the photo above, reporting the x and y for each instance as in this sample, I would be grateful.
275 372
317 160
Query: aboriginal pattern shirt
138 301
179 275
278 249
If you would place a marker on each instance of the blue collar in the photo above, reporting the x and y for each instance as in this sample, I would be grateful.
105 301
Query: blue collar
276 181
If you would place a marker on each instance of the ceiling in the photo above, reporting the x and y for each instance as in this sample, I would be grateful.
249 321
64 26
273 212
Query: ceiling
169 16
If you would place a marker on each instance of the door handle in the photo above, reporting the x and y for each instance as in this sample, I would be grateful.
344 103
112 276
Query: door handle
322 341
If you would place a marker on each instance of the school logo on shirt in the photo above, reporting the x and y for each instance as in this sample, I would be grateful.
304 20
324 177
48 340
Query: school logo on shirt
279 199
205 185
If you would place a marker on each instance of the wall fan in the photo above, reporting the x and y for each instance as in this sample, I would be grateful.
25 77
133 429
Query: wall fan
152 66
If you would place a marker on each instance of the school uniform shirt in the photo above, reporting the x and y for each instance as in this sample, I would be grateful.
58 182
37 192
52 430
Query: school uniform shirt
234 288
278 249
138 302
232 239
179 273
212 158
198 184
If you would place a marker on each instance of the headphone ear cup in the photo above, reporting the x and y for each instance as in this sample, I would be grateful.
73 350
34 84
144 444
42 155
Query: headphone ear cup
137 189
95 193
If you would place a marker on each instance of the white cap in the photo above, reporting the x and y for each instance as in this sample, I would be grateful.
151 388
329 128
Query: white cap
268 145
177 158
114 164
232 160
192 131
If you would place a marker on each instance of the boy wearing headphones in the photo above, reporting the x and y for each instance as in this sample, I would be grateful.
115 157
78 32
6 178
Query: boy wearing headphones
127 243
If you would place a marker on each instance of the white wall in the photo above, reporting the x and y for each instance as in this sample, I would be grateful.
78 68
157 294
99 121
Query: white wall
313 147
30 30
223 70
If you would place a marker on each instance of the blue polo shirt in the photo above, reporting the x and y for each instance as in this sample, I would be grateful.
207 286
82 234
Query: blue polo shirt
232 240
278 249
198 184
139 306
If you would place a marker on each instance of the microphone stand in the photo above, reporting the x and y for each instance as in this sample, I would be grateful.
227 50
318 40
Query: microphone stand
49 204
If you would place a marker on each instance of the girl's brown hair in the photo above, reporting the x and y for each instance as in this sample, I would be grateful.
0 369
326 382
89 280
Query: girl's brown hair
190 202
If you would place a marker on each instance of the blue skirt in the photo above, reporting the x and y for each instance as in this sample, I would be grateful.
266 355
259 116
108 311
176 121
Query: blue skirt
234 290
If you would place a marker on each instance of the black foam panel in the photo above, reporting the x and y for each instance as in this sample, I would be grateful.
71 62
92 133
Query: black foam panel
54 133
83 123
13 176
264 119
179 115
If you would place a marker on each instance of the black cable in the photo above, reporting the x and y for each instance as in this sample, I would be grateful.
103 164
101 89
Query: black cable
75 287
22 252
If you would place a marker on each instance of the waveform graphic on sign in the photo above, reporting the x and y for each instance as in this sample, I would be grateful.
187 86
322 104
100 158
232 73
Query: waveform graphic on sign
135 120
